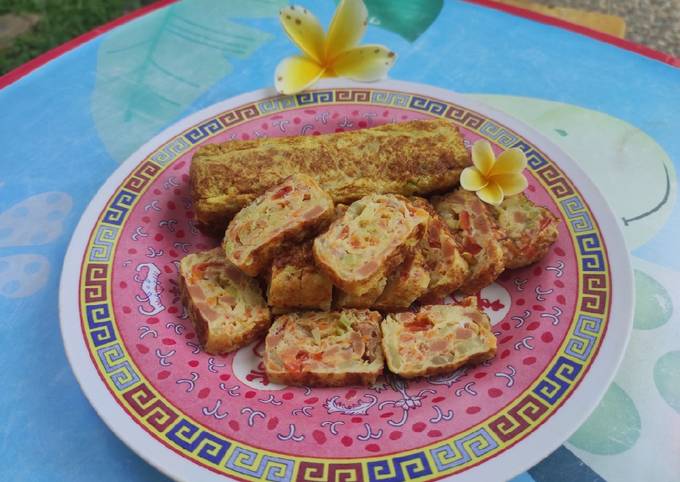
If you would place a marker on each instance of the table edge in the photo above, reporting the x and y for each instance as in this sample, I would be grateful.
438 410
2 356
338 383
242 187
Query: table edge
579 29
42 59
33 64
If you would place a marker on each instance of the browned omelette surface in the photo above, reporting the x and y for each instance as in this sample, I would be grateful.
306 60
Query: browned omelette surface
415 157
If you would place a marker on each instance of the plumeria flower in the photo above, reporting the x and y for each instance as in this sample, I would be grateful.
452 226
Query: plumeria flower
335 54
494 179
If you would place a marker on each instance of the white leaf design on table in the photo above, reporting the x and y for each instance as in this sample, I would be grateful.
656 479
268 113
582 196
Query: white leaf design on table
23 274
145 79
35 221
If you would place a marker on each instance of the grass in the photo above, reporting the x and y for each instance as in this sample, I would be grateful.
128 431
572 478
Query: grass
60 21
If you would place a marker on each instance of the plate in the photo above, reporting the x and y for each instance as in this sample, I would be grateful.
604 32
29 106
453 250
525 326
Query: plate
562 324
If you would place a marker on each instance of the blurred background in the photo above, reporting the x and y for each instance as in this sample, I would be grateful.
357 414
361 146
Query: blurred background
31 27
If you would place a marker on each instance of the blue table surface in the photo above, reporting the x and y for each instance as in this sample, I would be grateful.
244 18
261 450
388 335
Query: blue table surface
65 127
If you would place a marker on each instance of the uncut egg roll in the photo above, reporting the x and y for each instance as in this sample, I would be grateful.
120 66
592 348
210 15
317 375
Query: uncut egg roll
411 158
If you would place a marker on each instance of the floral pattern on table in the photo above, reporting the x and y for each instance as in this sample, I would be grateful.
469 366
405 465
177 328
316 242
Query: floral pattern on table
34 221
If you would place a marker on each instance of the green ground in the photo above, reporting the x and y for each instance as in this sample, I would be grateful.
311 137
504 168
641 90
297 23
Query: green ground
59 21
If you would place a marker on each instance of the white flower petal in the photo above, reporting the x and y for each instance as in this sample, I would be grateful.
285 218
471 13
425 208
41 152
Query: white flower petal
347 27
472 180
491 194
482 156
294 74
511 184
511 161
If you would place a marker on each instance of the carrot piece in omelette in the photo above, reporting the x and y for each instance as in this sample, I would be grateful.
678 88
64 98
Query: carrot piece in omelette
397 292
226 306
529 230
325 348
438 339
408 283
442 255
360 249
292 211
476 233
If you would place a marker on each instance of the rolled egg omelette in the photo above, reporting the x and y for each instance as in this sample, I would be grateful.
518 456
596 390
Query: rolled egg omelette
418 157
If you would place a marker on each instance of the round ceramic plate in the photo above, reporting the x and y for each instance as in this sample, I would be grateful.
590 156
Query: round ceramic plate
562 324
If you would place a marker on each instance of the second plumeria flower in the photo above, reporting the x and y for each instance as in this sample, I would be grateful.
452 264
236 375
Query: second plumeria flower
335 54
493 178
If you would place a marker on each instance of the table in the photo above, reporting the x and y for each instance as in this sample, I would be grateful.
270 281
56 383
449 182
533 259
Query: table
67 124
